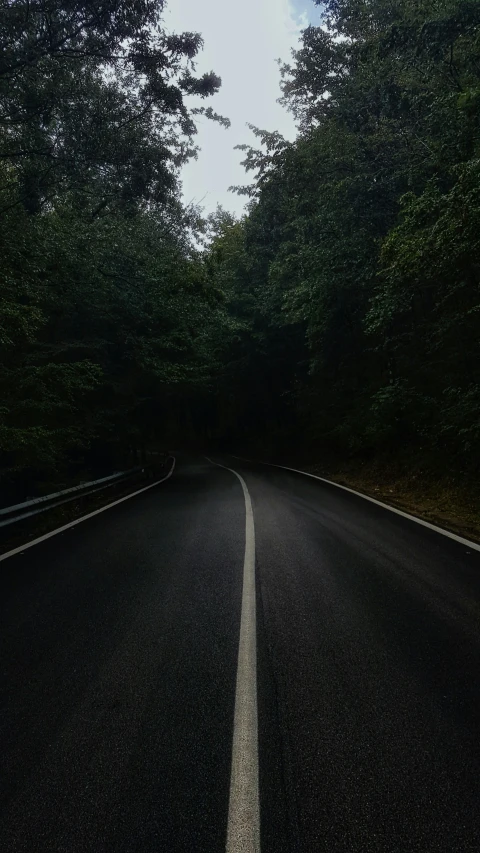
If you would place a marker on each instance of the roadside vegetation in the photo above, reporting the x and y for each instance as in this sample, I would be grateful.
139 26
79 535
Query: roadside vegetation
339 316
357 269
107 317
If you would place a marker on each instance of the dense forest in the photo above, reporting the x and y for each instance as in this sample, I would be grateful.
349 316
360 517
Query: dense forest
340 314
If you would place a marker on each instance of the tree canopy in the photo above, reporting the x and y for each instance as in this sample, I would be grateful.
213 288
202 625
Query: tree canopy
362 236
340 312
106 308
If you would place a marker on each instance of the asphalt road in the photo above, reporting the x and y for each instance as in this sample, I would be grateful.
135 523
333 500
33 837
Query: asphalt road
119 652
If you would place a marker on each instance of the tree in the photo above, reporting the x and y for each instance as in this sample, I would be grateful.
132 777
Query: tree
355 230
92 100
107 314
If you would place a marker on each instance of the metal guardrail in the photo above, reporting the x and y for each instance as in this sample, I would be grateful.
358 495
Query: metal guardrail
17 512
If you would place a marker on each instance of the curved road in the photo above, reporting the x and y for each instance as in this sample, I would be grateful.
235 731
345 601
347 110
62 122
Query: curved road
119 681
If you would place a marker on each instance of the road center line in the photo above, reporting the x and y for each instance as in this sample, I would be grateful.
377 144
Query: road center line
243 828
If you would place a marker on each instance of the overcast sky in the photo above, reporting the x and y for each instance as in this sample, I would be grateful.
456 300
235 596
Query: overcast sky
242 42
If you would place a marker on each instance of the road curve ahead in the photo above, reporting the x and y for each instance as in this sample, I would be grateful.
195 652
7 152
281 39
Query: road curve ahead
162 691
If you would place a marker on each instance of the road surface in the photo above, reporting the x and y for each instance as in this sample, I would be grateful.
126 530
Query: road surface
120 675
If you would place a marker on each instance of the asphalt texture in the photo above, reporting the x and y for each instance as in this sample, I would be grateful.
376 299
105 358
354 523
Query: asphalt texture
119 643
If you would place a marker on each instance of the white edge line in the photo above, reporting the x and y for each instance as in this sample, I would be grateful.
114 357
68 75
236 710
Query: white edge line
83 518
467 542
243 825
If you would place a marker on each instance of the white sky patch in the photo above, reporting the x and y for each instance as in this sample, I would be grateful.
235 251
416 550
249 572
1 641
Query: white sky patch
242 43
